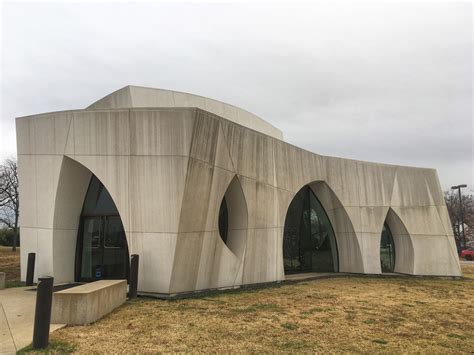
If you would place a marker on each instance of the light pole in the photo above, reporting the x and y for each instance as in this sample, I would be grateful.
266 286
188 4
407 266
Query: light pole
461 223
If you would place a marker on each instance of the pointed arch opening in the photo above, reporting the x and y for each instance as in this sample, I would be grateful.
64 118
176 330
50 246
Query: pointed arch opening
233 218
309 241
402 244
387 250
102 250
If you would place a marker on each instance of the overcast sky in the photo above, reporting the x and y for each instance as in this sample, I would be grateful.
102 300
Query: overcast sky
388 83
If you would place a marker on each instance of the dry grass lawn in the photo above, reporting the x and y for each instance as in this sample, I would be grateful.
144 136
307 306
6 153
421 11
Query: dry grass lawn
344 314
10 265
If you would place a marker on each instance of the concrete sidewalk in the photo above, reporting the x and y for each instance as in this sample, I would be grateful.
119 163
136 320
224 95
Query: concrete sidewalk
17 312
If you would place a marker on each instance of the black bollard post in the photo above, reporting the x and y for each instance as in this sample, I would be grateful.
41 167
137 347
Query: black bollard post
30 269
44 299
133 286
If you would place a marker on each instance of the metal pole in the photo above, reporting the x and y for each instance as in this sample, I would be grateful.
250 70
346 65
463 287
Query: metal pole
459 237
132 293
44 299
30 270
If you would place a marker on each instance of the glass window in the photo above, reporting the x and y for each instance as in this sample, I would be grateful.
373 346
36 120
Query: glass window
115 251
223 220
98 200
387 250
114 234
102 251
309 243
90 246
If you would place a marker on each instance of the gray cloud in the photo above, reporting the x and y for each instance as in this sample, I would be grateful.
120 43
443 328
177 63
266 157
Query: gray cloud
389 83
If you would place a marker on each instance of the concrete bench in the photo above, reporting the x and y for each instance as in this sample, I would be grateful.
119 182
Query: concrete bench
87 303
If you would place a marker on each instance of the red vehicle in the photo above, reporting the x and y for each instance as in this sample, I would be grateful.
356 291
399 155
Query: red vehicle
467 254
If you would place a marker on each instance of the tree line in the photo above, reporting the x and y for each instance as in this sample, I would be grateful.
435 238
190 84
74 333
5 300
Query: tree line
9 203
460 222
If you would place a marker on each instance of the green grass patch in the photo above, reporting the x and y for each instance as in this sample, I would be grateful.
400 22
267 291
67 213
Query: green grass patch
14 283
289 326
311 311
267 307
350 316
55 347
456 336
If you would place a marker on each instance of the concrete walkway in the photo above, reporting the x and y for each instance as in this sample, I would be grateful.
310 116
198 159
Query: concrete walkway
17 313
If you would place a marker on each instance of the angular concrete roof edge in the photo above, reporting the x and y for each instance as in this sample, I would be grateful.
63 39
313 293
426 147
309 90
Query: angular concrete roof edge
392 165
127 97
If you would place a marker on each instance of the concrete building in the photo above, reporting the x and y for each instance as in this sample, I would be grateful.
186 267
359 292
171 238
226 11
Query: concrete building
210 196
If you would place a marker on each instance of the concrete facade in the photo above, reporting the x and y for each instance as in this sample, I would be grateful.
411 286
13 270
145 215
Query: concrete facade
168 159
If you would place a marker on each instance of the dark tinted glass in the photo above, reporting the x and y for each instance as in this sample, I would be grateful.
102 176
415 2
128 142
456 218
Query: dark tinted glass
98 200
91 256
114 234
223 220
102 251
115 248
387 250
309 243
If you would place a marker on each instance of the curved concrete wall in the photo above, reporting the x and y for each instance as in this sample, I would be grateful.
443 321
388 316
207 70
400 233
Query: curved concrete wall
167 171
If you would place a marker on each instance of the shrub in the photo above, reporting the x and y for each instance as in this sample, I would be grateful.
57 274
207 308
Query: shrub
6 237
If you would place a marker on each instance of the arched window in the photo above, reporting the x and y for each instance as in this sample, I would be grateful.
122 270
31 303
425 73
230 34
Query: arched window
387 250
102 251
223 221
309 243
232 221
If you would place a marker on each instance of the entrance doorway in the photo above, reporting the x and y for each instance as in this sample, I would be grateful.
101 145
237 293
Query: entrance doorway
309 242
102 251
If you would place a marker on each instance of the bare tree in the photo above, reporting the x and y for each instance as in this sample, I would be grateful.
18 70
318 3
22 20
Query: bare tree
9 201
452 202
468 206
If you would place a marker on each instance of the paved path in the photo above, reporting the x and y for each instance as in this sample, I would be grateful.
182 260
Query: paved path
17 312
